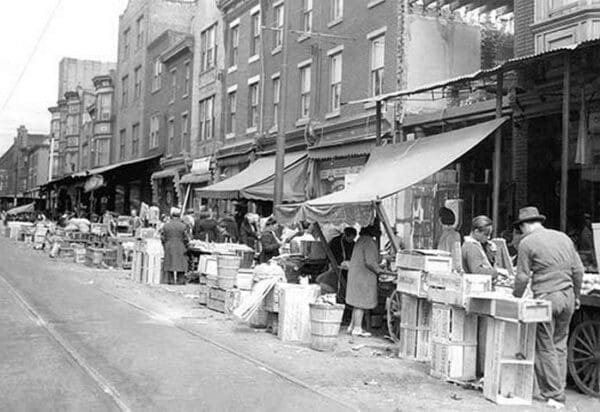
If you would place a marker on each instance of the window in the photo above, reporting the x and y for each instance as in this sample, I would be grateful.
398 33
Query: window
173 84
253 105
171 135
72 125
335 88
307 15
135 140
377 61
186 79
208 49
126 43
102 152
231 108
137 82
104 106
337 10
124 90
305 92
157 77
140 32
154 131
185 133
255 34
122 137
234 42
276 98
207 118
278 25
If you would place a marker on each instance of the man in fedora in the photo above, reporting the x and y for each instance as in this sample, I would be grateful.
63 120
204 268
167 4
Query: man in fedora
549 260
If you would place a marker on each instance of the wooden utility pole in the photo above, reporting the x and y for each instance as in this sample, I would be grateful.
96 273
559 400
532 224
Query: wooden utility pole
283 80
378 122
564 169
497 154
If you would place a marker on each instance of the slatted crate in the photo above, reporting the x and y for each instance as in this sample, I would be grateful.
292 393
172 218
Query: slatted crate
216 299
415 328
425 261
511 309
412 282
509 362
454 288
454 343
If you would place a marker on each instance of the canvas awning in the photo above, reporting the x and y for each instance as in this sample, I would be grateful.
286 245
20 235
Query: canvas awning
389 170
165 173
28 208
195 178
257 180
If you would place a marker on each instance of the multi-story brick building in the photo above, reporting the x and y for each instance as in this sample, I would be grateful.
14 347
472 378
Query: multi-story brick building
167 112
295 76
32 160
7 178
103 117
76 73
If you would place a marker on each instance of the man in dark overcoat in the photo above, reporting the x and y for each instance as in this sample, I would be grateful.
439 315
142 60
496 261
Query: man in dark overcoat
175 238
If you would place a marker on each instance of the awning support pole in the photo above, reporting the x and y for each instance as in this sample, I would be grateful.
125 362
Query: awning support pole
497 154
383 218
185 199
378 122
564 168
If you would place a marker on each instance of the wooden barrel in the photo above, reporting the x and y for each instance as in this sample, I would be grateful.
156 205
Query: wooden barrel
325 323
227 269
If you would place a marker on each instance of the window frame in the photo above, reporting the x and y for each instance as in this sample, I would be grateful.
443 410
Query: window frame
185 131
126 42
307 15
278 23
336 11
137 82
139 41
276 87
234 45
170 135
376 71
253 104
135 140
255 34
231 112
173 73
157 75
122 143
335 82
125 90
187 78
207 118
305 94
208 48
154 131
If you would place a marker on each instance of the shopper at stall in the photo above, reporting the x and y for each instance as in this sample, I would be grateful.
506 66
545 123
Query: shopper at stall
478 252
230 227
269 241
548 259
249 231
450 236
136 222
205 227
175 238
362 279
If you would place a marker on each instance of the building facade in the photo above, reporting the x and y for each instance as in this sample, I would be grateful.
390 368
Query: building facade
76 73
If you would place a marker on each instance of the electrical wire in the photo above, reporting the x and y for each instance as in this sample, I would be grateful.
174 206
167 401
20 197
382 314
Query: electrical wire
30 58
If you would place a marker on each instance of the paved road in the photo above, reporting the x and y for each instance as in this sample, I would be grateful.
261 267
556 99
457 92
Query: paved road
65 345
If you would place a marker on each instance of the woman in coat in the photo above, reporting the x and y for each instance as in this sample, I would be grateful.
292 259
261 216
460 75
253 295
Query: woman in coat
175 238
361 292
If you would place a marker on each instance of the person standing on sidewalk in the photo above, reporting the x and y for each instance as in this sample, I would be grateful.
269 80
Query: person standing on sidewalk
175 239
549 260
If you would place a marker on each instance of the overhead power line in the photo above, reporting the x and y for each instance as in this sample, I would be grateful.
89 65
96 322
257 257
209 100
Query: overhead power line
30 58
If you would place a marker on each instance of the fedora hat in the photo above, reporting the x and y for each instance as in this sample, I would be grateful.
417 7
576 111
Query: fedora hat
529 214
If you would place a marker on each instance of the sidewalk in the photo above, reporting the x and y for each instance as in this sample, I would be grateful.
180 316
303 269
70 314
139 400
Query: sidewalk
363 372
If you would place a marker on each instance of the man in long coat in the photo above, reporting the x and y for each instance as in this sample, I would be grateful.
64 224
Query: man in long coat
175 238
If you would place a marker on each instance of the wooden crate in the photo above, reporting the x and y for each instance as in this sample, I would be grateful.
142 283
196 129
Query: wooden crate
415 328
452 324
508 308
509 362
272 299
216 299
202 294
94 257
294 311
454 288
453 360
412 282
233 298
425 261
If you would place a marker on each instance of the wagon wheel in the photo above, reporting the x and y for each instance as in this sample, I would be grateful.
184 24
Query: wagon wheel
584 357
394 305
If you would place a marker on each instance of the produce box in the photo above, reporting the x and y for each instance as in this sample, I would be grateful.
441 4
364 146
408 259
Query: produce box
453 324
509 308
412 282
216 299
425 260
453 360
415 328
454 288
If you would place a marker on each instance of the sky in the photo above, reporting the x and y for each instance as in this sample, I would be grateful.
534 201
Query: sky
84 29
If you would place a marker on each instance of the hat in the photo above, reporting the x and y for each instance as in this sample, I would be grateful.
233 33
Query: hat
175 211
529 214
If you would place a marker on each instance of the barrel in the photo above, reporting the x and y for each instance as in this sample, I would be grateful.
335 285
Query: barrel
325 323
227 269
245 278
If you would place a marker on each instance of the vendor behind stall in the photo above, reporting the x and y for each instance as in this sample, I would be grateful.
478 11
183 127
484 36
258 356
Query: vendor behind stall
230 228
249 230
549 260
269 241
341 246
205 227
362 278
478 252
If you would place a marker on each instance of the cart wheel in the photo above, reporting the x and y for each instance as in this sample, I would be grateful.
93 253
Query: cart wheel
394 305
584 357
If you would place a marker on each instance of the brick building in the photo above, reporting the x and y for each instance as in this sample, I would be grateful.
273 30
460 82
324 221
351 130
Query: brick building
77 73
167 112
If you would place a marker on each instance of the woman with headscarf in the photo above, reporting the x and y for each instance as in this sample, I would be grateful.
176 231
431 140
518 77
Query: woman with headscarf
361 292
175 238
249 231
